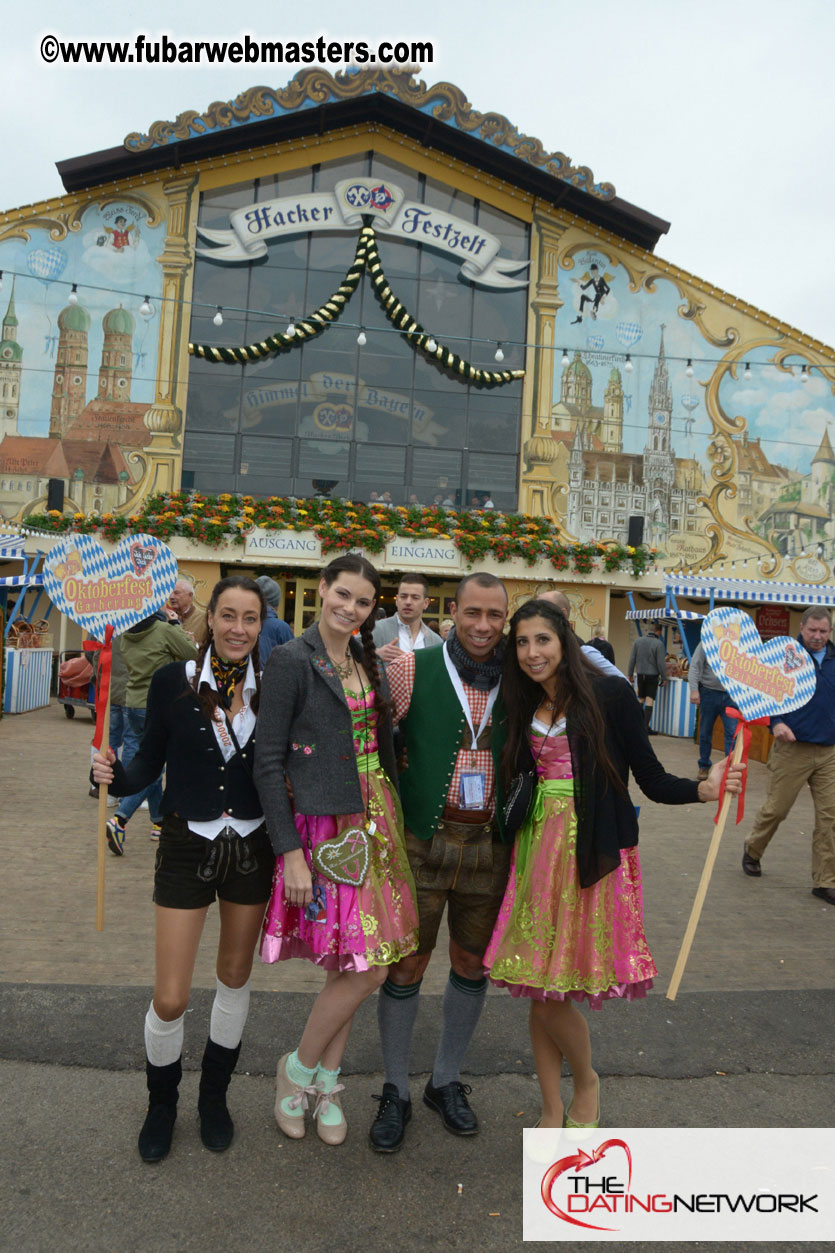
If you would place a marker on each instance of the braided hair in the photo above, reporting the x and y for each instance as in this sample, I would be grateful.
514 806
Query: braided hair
352 563
206 694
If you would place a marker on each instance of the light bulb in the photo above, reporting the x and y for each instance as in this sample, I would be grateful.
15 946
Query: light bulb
689 368
628 366
746 373
804 374
566 360
72 299
362 339
499 355
218 318
431 346
291 329
146 309
1 280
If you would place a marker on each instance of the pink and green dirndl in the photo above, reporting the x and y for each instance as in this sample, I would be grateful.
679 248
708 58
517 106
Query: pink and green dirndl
554 940
355 928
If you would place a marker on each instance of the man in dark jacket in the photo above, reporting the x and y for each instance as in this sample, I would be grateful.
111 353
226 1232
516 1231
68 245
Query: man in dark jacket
649 660
804 752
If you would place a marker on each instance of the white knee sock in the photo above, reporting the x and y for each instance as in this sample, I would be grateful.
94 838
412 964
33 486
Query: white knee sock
229 1013
163 1040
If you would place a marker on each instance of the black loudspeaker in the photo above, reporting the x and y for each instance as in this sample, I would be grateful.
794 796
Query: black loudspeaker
635 535
55 495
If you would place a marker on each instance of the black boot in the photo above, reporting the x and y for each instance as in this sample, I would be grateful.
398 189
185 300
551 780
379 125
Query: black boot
158 1127
216 1127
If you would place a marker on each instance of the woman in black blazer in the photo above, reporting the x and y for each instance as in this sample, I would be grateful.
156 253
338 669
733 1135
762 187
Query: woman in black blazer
343 894
200 726
570 927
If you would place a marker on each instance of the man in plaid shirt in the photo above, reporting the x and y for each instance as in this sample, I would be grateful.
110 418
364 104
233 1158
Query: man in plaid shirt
443 700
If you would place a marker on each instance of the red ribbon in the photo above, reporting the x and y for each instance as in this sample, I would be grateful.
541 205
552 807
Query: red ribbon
102 681
743 728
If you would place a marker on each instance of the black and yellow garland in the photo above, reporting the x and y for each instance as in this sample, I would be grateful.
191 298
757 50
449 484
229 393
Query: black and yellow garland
366 260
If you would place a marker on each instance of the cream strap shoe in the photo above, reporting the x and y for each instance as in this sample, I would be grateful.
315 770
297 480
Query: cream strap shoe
291 1101
330 1132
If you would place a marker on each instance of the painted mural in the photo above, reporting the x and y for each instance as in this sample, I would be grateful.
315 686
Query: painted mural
78 353
698 415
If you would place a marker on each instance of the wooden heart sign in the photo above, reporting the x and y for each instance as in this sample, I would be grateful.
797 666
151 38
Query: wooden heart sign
764 678
344 859
98 589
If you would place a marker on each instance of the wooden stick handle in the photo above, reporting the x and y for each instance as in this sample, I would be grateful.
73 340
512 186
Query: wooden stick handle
701 892
102 815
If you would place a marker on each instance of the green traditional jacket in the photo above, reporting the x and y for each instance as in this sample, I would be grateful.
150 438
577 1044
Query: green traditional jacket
434 730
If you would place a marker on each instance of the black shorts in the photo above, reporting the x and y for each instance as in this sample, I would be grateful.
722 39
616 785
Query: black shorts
647 686
191 870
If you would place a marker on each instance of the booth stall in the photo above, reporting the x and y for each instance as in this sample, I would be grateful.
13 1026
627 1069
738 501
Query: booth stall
28 643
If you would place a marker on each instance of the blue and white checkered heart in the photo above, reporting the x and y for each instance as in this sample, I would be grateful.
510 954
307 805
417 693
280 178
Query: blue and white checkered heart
763 678
97 589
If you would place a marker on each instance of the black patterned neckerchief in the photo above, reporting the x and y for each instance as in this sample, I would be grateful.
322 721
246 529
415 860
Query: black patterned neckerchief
227 675
482 675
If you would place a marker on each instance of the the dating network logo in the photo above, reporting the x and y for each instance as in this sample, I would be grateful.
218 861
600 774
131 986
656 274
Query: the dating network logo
579 1193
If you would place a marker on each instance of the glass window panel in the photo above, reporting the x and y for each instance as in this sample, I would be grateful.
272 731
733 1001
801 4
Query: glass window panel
291 183
219 284
398 259
445 310
287 253
442 196
492 428
440 418
332 252
322 459
215 206
381 470
266 456
500 316
328 173
436 470
276 296
204 453
263 485
514 234
213 405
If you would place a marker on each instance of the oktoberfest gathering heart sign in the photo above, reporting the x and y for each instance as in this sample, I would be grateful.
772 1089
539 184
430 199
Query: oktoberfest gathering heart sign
763 678
97 589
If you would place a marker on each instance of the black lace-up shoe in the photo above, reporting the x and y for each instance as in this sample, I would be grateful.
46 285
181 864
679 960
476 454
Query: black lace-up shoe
389 1127
450 1101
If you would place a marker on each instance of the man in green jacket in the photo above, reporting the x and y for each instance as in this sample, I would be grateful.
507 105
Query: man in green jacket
444 699
149 644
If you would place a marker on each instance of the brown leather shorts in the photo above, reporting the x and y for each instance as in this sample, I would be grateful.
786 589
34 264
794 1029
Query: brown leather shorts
465 867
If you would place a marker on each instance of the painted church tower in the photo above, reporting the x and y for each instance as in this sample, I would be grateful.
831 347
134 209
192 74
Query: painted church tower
659 458
116 368
611 432
11 366
69 382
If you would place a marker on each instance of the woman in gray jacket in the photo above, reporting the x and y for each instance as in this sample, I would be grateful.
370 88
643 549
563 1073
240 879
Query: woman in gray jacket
343 894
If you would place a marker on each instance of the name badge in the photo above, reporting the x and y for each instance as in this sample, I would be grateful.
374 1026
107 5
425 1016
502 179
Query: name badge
472 792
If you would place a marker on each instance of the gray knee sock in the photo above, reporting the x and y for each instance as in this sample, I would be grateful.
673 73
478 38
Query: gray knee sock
463 1003
397 1009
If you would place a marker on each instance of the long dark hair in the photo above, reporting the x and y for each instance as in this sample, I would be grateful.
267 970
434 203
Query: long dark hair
207 695
574 696
352 563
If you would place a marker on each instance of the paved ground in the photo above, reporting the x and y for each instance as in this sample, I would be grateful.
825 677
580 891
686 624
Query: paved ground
747 1042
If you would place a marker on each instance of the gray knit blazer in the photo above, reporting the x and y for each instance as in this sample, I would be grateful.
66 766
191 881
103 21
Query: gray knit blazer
305 732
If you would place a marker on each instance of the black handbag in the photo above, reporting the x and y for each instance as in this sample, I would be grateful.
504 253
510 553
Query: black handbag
518 801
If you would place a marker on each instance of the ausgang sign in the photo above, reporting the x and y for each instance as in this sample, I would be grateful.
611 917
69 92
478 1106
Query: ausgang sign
301 546
345 208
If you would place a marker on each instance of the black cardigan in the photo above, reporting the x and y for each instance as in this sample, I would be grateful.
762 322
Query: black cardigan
199 784
606 819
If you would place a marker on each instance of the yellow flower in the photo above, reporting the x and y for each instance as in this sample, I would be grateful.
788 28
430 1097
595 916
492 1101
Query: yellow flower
78 517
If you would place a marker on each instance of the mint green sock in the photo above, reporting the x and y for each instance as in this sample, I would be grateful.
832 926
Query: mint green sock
326 1081
301 1075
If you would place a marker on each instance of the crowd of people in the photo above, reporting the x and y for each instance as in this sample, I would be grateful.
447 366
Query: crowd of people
339 792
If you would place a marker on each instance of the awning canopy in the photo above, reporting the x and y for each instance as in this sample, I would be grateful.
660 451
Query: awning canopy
767 591
664 615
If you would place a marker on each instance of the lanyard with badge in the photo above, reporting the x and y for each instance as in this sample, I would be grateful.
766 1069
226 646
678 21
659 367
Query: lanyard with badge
473 787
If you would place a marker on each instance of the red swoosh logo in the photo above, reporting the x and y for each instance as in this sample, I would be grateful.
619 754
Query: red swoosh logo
580 1161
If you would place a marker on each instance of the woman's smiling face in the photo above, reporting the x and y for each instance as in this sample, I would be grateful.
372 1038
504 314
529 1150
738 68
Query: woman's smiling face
347 602
538 649
235 623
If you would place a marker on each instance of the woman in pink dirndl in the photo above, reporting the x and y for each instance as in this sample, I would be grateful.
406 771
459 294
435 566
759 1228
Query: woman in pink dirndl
323 693
570 927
